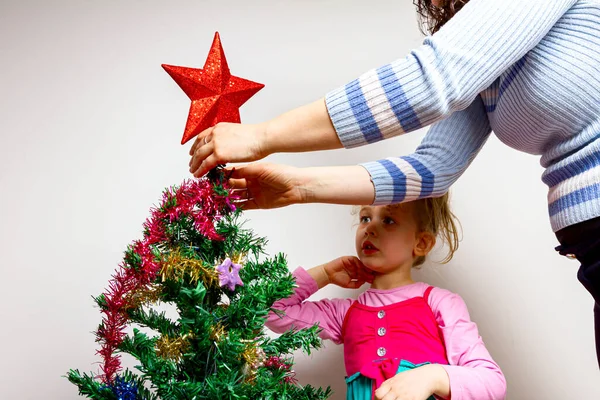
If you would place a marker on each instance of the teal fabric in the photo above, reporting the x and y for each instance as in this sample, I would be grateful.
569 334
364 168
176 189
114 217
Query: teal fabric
360 387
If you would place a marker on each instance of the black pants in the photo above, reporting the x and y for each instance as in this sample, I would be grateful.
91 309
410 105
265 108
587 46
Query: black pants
583 241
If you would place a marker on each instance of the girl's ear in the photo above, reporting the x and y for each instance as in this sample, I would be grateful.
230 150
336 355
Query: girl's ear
424 244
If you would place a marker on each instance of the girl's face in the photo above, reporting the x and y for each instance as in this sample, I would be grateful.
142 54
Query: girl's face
387 237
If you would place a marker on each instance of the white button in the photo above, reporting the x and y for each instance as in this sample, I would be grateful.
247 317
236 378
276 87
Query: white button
381 314
381 351
381 331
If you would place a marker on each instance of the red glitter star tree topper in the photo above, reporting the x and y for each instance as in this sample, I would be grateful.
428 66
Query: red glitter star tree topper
216 95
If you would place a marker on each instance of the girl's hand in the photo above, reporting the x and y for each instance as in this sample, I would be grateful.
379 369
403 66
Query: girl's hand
348 272
227 142
416 384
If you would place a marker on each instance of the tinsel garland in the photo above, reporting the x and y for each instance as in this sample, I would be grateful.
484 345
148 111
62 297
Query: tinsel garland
132 283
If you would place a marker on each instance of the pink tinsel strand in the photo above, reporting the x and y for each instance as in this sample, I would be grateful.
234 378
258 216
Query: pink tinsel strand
281 364
194 198
154 230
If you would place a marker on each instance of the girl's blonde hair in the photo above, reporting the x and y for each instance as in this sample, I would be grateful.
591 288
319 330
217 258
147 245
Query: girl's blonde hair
434 215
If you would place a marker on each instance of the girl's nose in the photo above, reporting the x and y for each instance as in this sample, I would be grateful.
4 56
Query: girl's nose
370 229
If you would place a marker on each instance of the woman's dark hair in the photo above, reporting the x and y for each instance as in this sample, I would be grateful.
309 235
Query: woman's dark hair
434 17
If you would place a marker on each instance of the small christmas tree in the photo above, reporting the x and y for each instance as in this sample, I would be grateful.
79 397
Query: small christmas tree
196 256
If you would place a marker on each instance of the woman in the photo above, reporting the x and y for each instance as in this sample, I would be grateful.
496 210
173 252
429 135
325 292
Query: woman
526 69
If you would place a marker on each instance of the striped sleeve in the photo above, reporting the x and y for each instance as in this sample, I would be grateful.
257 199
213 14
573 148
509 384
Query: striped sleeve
444 154
445 74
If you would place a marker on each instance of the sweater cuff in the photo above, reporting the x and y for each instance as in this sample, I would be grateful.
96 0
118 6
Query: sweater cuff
387 182
343 119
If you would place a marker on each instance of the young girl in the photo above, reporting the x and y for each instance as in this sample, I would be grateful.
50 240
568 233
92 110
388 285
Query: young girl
402 339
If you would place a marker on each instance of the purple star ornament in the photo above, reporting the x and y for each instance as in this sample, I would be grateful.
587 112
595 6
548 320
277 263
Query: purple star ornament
229 274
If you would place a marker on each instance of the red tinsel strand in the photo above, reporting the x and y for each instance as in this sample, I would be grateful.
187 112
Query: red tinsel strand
203 224
150 265
282 364
112 330
154 231
193 198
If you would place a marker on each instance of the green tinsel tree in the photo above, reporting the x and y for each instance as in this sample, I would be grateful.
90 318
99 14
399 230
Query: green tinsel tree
192 251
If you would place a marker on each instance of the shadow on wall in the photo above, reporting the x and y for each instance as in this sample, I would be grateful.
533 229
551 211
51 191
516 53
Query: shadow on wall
323 368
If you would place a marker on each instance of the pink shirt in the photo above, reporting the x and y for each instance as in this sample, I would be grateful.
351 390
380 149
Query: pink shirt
473 373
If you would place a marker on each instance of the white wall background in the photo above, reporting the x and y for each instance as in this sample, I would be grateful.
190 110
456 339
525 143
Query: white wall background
89 136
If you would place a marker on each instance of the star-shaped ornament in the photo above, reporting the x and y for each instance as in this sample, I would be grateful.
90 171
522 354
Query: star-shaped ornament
216 95
229 274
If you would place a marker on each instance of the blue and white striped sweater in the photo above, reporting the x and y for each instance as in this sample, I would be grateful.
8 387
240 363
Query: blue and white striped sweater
527 69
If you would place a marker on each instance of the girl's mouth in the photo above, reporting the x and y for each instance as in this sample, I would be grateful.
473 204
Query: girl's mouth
369 248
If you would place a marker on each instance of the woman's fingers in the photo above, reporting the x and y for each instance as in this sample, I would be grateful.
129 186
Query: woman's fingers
201 153
209 163
246 171
247 204
200 139
237 183
201 150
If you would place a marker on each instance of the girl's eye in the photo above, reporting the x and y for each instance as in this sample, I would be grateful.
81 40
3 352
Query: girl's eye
388 220
364 220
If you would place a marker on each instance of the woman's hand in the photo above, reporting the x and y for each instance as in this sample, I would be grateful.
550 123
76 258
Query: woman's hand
306 128
416 384
266 185
225 143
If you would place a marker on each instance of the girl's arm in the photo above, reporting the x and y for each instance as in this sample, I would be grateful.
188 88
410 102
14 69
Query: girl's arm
299 314
472 372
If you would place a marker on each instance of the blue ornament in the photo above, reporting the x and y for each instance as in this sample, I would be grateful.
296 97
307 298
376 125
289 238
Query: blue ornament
124 390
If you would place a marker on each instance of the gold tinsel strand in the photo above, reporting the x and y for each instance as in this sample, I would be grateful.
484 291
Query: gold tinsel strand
240 258
175 267
148 295
254 358
217 332
172 349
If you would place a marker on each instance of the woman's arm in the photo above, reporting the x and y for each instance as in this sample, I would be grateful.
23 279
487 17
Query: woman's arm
440 77
307 128
444 75
445 153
